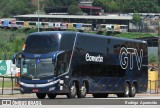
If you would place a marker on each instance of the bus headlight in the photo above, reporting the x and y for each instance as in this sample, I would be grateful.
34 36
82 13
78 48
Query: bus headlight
61 81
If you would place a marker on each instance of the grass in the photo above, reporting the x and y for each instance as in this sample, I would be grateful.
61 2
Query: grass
7 84
135 35
127 34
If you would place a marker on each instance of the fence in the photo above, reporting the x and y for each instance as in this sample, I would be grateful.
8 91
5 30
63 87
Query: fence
8 85
146 26
153 86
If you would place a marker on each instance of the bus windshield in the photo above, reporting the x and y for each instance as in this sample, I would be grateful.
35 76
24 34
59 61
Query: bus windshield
41 44
37 68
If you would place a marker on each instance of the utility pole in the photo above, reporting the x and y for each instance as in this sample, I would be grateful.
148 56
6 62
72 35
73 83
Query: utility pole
38 15
159 54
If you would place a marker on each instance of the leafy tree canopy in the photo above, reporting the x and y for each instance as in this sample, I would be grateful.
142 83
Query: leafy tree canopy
125 6
10 8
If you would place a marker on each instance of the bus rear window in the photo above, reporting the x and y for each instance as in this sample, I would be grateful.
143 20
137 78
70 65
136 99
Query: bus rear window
36 44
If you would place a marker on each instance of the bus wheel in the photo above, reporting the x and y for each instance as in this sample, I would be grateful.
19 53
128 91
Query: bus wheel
73 91
126 91
100 95
132 91
51 95
82 91
120 95
41 95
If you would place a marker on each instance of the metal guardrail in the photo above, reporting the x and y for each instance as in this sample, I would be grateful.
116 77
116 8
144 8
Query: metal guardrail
13 80
153 86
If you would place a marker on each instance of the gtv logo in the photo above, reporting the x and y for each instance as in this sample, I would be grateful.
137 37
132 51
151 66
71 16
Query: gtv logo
127 54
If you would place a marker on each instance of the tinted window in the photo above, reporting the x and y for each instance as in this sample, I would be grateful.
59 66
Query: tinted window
107 48
41 44
67 42
91 44
98 70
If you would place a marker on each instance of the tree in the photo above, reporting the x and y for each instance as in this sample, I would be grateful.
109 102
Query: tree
52 3
137 19
10 8
113 6
74 10
142 6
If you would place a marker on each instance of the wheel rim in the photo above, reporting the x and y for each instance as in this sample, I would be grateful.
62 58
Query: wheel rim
133 90
83 90
127 90
73 89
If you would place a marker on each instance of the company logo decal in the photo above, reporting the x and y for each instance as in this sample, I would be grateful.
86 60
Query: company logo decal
126 55
93 58
3 67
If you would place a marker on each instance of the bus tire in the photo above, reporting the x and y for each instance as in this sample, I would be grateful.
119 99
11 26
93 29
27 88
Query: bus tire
51 95
73 91
100 95
132 91
82 91
41 95
119 95
126 91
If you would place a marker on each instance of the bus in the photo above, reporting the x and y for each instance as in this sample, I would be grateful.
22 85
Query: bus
72 26
6 24
84 27
105 27
19 24
75 64
112 28
120 28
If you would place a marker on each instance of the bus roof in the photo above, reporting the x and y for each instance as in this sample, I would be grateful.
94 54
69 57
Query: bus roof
93 35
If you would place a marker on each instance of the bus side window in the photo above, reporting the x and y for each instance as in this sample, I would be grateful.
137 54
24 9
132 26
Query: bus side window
60 68
62 64
18 62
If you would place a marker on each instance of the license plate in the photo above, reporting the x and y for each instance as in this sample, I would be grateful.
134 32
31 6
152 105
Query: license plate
35 90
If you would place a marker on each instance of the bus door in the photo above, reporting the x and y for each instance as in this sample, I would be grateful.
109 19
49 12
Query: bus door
62 66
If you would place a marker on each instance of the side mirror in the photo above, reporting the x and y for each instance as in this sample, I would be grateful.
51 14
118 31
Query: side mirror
17 59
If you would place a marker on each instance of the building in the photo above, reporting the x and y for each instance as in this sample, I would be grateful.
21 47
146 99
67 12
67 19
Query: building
124 20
